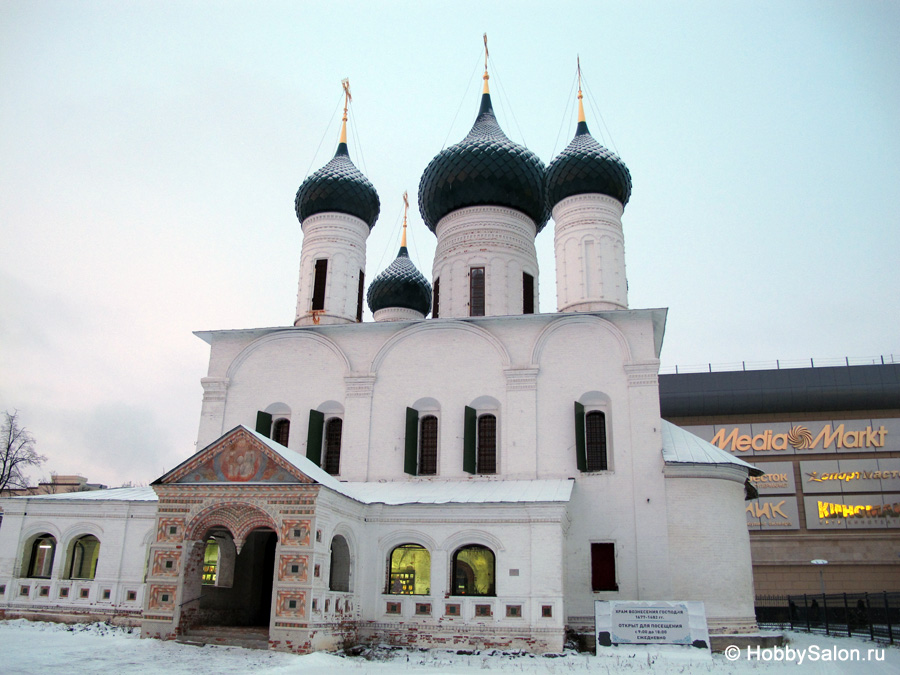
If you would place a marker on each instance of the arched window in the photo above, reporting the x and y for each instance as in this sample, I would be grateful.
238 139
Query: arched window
487 444
42 551
428 440
473 571
333 429
85 552
409 571
210 562
281 430
339 576
595 440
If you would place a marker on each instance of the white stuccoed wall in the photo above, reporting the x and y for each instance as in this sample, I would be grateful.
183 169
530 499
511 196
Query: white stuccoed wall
590 254
710 545
499 239
124 529
341 239
531 369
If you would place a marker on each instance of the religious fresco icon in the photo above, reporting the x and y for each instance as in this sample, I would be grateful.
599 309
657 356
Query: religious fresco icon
240 462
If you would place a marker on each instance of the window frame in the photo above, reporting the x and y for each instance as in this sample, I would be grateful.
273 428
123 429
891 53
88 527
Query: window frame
609 555
527 293
319 285
278 424
477 291
328 453
32 561
78 545
390 575
583 460
435 451
454 561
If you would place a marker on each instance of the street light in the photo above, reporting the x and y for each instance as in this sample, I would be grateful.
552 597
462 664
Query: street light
821 563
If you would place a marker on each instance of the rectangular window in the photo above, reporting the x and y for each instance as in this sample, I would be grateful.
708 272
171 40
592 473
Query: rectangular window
436 305
318 298
527 293
476 291
44 592
423 608
359 297
487 444
482 610
64 592
333 430
107 593
603 567
392 608
428 439
85 592
547 611
131 596
451 610
595 440
514 611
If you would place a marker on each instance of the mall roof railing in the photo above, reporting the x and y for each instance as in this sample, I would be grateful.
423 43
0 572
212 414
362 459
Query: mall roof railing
781 364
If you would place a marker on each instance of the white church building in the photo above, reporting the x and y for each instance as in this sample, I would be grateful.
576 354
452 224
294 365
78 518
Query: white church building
464 471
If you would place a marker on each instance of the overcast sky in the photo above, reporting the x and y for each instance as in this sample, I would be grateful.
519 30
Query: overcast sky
150 153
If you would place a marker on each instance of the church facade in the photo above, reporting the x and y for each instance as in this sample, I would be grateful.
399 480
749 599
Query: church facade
474 479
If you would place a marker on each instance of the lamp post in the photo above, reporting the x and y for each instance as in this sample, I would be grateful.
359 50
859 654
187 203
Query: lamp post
821 563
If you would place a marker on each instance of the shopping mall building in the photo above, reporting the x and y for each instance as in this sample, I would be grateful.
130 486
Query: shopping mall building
829 442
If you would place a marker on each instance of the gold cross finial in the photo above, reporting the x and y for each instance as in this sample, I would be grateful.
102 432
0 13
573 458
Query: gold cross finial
581 117
486 76
405 209
345 83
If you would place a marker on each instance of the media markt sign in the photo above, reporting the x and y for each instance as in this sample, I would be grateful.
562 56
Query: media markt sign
649 622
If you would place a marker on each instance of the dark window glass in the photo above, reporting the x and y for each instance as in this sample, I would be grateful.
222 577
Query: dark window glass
487 444
436 305
428 436
281 431
603 567
476 291
527 293
339 570
595 440
473 571
359 297
318 299
333 429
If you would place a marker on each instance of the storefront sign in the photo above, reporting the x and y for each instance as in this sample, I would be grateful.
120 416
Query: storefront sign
778 479
848 512
804 437
773 513
677 623
851 475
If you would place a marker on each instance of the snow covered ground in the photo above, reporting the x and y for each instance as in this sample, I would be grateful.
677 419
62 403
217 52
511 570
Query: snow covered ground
41 648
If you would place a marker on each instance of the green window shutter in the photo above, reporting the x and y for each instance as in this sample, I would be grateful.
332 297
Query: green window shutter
314 437
412 442
264 423
580 445
469 464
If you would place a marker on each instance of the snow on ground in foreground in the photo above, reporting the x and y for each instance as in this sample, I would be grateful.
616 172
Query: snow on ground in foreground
41 648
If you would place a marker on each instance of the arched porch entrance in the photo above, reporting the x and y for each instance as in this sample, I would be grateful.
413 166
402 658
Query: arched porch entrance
229 574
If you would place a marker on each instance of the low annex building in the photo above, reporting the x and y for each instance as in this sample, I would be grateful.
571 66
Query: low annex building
473 479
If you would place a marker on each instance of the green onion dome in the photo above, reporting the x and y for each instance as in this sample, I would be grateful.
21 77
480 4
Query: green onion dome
338 186
584 167
484 169
400 285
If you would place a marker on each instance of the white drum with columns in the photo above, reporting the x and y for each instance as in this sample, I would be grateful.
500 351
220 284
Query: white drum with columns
494 237
590 254
341 240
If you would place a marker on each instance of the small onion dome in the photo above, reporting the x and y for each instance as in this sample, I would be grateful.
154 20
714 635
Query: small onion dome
484 169
338 186
585 166
400 285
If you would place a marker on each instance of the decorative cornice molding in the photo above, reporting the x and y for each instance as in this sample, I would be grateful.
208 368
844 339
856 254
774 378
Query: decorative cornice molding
643 373
521 379
358 386
214 388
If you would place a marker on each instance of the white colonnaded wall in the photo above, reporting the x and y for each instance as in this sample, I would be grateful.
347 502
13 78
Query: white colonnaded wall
494 237
710 546
124 530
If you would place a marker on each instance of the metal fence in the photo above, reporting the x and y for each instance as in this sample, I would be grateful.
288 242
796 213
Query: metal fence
781 364
870 615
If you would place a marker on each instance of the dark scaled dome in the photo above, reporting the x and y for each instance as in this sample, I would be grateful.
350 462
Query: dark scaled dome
400 285
338 186
484 169
585 166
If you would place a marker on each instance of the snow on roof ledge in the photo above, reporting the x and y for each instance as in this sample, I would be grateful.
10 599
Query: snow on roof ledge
683 447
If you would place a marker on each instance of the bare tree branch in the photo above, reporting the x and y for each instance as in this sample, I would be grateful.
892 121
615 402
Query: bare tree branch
17 453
